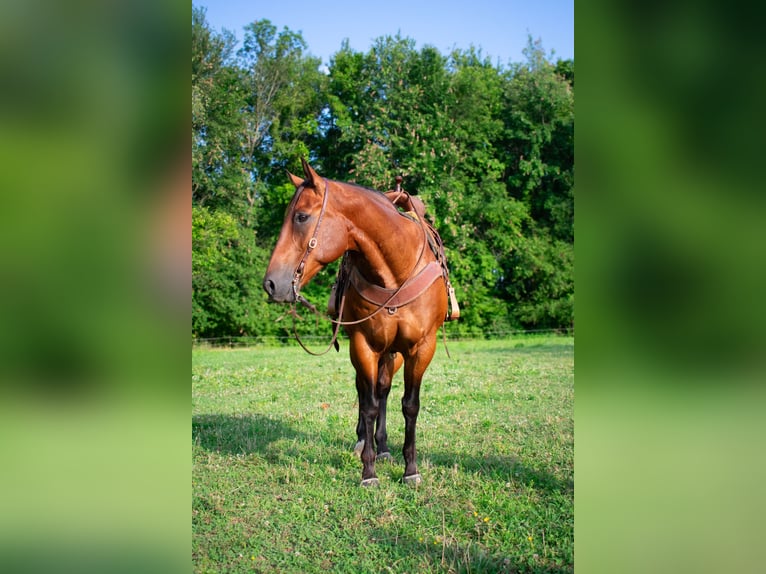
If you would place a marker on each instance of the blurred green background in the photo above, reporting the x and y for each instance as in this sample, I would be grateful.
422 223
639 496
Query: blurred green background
95 252
670 277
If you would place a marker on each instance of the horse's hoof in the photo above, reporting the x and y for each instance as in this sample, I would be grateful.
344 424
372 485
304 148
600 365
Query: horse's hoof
358 448
370 482
385 456
413 479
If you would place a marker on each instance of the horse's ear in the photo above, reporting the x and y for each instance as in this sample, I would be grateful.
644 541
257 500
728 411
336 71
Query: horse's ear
312 177
297 181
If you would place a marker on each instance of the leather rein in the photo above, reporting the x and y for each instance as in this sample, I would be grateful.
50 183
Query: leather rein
298 274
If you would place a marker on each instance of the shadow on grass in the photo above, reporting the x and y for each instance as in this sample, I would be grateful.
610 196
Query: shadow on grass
270 437
256 433
240 434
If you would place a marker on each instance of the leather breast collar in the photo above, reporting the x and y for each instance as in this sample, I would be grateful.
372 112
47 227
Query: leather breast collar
411 290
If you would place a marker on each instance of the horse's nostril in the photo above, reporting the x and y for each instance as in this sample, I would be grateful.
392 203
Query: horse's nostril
269 286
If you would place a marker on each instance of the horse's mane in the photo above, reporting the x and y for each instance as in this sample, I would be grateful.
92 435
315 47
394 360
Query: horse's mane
360 187
368 190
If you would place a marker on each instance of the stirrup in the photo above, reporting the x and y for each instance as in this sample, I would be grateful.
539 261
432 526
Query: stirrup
454 313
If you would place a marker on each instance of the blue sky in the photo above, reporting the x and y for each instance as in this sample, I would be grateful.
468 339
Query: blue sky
499 27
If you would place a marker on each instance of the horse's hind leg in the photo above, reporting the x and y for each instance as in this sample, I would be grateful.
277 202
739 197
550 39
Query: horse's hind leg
414 367
388 365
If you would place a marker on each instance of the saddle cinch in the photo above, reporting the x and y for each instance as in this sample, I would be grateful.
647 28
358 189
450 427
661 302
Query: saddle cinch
414 208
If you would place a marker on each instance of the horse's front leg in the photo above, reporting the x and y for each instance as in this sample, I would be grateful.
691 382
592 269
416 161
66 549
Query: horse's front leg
414 367
368 412
360 432
388 365
366 364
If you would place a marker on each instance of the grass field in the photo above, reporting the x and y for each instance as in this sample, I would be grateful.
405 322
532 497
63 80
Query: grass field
276 485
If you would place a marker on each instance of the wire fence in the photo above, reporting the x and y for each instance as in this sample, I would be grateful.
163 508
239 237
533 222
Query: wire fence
275 340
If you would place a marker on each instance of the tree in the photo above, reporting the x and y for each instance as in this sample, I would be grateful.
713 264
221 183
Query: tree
249 109
488 148
283 102
539 139
217 98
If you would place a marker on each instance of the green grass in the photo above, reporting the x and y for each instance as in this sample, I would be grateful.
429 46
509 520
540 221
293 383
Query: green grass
276 486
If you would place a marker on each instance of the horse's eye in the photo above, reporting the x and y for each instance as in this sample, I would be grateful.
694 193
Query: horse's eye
301 217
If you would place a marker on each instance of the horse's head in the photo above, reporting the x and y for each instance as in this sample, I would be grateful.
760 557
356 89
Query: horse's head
312 236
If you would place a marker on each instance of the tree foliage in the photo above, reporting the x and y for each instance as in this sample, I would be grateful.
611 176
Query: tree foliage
489 148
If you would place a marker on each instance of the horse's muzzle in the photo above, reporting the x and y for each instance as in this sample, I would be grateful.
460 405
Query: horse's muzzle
278 290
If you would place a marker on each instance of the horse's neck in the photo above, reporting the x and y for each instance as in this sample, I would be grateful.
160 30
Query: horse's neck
385 244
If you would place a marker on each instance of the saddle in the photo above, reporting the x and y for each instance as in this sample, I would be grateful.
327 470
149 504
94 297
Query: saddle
413 208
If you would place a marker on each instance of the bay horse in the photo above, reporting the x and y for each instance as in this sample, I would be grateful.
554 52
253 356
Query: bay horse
397 300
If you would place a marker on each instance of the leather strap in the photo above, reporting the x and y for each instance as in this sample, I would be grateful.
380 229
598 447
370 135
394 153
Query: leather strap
408 293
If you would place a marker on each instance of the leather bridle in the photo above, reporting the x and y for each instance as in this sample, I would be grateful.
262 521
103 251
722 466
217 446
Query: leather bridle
313 242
